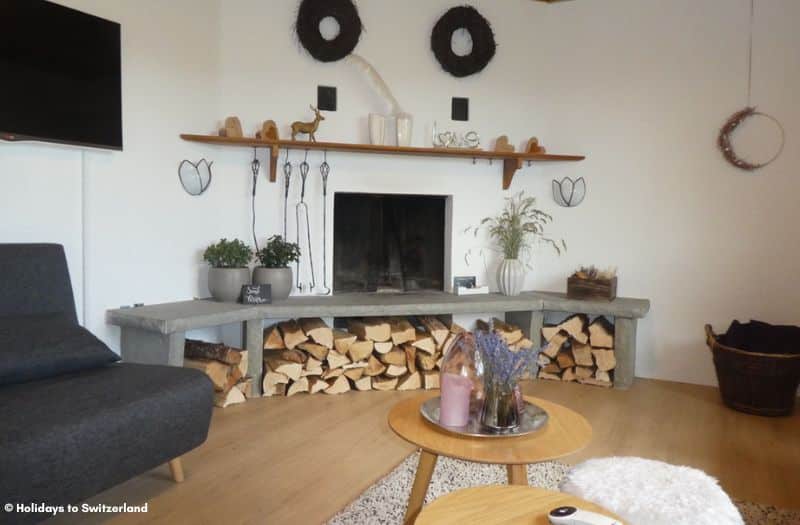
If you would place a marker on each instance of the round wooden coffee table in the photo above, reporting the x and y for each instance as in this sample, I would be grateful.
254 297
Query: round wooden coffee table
495 504
566 432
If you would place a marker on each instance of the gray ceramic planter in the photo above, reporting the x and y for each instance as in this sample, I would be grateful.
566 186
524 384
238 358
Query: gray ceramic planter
225 284
279 278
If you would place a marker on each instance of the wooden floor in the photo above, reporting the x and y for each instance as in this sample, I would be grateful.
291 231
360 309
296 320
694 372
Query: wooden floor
299 460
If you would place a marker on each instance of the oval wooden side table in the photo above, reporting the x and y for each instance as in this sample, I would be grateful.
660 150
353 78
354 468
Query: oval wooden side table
566 432
496 504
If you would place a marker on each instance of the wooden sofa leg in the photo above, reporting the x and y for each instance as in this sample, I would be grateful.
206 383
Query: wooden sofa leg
176 468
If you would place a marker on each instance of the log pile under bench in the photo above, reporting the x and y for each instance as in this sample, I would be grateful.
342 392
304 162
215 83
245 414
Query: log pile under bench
308 356
225 366
579 350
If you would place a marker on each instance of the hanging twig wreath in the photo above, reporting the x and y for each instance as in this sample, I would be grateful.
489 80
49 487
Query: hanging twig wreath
736 120
483 43
311 13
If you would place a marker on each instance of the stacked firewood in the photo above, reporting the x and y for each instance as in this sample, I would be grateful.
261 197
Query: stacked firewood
577 350
306 355
225 366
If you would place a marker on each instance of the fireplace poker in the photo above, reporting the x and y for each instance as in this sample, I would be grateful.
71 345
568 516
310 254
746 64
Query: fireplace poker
325 170
300 210
287 179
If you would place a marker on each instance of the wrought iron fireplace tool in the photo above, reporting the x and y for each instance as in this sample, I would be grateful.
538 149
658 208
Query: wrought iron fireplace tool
325 170
301 212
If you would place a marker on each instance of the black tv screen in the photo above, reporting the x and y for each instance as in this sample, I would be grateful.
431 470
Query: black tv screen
60 75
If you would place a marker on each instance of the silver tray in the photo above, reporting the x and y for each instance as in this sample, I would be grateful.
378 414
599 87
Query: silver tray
532 419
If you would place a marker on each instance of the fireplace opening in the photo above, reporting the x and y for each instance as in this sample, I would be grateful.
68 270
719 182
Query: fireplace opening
388 242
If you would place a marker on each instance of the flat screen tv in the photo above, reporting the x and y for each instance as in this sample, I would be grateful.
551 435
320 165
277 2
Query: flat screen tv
60 75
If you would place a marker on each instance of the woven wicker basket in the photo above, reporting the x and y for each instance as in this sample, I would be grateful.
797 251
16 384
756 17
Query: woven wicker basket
757 383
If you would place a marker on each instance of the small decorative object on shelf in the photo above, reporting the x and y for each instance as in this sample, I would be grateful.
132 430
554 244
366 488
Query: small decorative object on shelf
275 270
569 193
269 131
377 129
195 177
404 125
502 144
451 139
232 128
229 271
515 232
534 147
256 294
591 283
308 128
502 371
461 381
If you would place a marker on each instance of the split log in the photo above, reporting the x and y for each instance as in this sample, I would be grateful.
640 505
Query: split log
594 382
425 361
234 396
273 339
218 373
522 344
605 359
395 357
448 343
565 360
543 360
273 383
456 328
549 331
278 389
370 329
402 331
554 346
510 333
340 385
292 334
383 346
355 373
583 372
363 384
582 354
316 384
244 363
336 360
195 349
547 375
317 351
439 361
332 373
395 370
295 356
431 380
290 369
436 328
601 375
312 367
601 333
384 383
360 350
552 368
569 375
342 340
424 341
374 367
411 381
411 358
575 326
318 331
301 385
245 386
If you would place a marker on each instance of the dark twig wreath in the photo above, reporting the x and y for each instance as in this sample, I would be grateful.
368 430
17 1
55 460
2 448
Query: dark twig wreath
311 13
483 43
736 120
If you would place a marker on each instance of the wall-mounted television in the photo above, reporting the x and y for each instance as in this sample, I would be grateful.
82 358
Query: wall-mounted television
60 78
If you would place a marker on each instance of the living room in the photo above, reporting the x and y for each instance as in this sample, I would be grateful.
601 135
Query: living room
668 205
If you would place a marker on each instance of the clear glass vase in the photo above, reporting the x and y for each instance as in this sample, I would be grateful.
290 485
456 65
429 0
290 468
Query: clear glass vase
500 408
461 382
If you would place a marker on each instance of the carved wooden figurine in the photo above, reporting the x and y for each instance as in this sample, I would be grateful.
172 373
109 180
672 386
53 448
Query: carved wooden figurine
502 145
232 129
269 131
534 147
308 128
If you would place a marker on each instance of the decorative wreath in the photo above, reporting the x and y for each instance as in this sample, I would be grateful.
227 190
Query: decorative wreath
724 139
311 13
483 44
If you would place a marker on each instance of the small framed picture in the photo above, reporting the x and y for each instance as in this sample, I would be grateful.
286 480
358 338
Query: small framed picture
464 282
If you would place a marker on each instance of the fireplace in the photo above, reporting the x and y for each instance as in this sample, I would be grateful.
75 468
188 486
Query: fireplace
389 242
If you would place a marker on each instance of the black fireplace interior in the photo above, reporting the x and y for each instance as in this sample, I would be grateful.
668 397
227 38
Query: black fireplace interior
388 243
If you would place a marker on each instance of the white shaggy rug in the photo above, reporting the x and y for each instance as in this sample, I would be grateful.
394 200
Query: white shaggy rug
384 503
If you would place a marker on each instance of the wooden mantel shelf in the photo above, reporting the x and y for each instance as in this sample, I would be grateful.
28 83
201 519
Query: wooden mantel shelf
511 161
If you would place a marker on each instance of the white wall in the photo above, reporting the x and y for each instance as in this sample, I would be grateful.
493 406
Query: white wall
640 87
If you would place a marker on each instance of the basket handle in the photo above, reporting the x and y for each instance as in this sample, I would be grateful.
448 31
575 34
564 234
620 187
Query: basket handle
711 337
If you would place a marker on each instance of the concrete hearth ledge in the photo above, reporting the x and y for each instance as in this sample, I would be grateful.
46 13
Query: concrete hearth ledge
180 316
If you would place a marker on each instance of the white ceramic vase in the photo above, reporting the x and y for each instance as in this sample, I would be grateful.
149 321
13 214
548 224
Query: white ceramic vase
377 129
510 277
405 124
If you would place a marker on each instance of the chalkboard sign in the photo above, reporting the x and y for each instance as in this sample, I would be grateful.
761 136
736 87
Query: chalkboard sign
257 294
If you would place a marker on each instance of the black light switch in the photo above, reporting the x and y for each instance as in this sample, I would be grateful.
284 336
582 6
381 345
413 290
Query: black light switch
460 109
326 98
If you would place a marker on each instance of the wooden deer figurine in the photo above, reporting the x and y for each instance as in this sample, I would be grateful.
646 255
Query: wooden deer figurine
308 128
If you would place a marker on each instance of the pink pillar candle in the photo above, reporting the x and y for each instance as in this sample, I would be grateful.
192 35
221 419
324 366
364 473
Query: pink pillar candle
454 408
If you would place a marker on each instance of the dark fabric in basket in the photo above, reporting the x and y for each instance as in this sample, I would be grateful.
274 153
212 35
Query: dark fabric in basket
758 336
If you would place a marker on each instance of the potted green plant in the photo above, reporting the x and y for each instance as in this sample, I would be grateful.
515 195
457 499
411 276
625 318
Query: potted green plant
275 258
515 232
229 271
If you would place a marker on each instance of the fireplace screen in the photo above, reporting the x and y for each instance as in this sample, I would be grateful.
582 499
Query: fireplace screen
388 243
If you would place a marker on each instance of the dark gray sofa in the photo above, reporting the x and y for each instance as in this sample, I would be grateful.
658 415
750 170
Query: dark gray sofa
73 420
